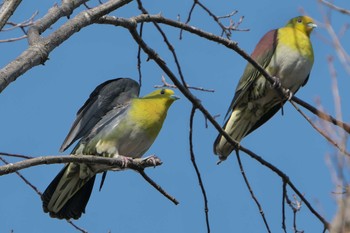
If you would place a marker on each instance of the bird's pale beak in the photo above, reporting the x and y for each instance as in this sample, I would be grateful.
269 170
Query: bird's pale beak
312 25
174 97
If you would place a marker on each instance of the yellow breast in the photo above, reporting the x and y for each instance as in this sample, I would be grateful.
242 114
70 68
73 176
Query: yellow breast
148 114
296 40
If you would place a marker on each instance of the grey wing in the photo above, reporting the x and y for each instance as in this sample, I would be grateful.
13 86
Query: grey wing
262 54
103 99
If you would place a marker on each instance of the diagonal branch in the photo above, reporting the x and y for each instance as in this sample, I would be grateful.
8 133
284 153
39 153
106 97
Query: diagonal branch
334 7
7 9
40 48
261 211
39 193
328 138
157 187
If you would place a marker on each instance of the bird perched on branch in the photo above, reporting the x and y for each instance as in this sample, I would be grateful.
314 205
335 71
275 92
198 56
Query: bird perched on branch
287 55
112 122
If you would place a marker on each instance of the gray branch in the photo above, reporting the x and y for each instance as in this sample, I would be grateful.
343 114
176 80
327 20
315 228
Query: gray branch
7 9
112 163
40 48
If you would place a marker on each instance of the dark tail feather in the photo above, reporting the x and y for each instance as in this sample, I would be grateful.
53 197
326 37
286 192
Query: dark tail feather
102 180
76 204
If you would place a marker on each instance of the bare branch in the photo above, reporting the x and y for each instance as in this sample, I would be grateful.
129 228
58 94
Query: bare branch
226 30
119 162
7 9
157 187
168 85
39 48
166 41
13 39
334 7
321 114
339 48
76 227
329 139
246 181
139 57
199 177
16 155
22 25
26 181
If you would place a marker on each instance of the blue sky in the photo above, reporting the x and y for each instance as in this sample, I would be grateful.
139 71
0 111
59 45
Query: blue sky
39 108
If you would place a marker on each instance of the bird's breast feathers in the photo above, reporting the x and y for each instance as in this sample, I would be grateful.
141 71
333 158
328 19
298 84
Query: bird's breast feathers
293 59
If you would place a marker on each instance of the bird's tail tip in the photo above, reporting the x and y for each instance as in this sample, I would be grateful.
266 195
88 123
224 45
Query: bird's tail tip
63 206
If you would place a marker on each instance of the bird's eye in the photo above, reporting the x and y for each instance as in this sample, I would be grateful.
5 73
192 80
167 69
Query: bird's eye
162 91
299 20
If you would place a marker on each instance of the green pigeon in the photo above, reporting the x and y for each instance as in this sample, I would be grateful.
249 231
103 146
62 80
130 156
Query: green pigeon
113 121
286 54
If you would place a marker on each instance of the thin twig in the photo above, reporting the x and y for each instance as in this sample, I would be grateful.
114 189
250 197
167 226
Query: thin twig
156 186
288 181
261 211
13 39
193 160
329 139
169 85
24 24
165 38
188 17
284 194
139 57
295 206
334 7
321 114
23 178
76 227
16 155
26 181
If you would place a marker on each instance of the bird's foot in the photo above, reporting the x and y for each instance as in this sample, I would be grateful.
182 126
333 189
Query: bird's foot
289 94
153 159
276 82
125 161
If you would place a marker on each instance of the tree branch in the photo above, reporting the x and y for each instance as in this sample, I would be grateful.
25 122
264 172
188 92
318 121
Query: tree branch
119 162
246 181
199 177
40 48
334 7
7 9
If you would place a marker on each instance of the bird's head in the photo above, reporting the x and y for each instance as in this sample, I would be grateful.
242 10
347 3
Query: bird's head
166 95
303 23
